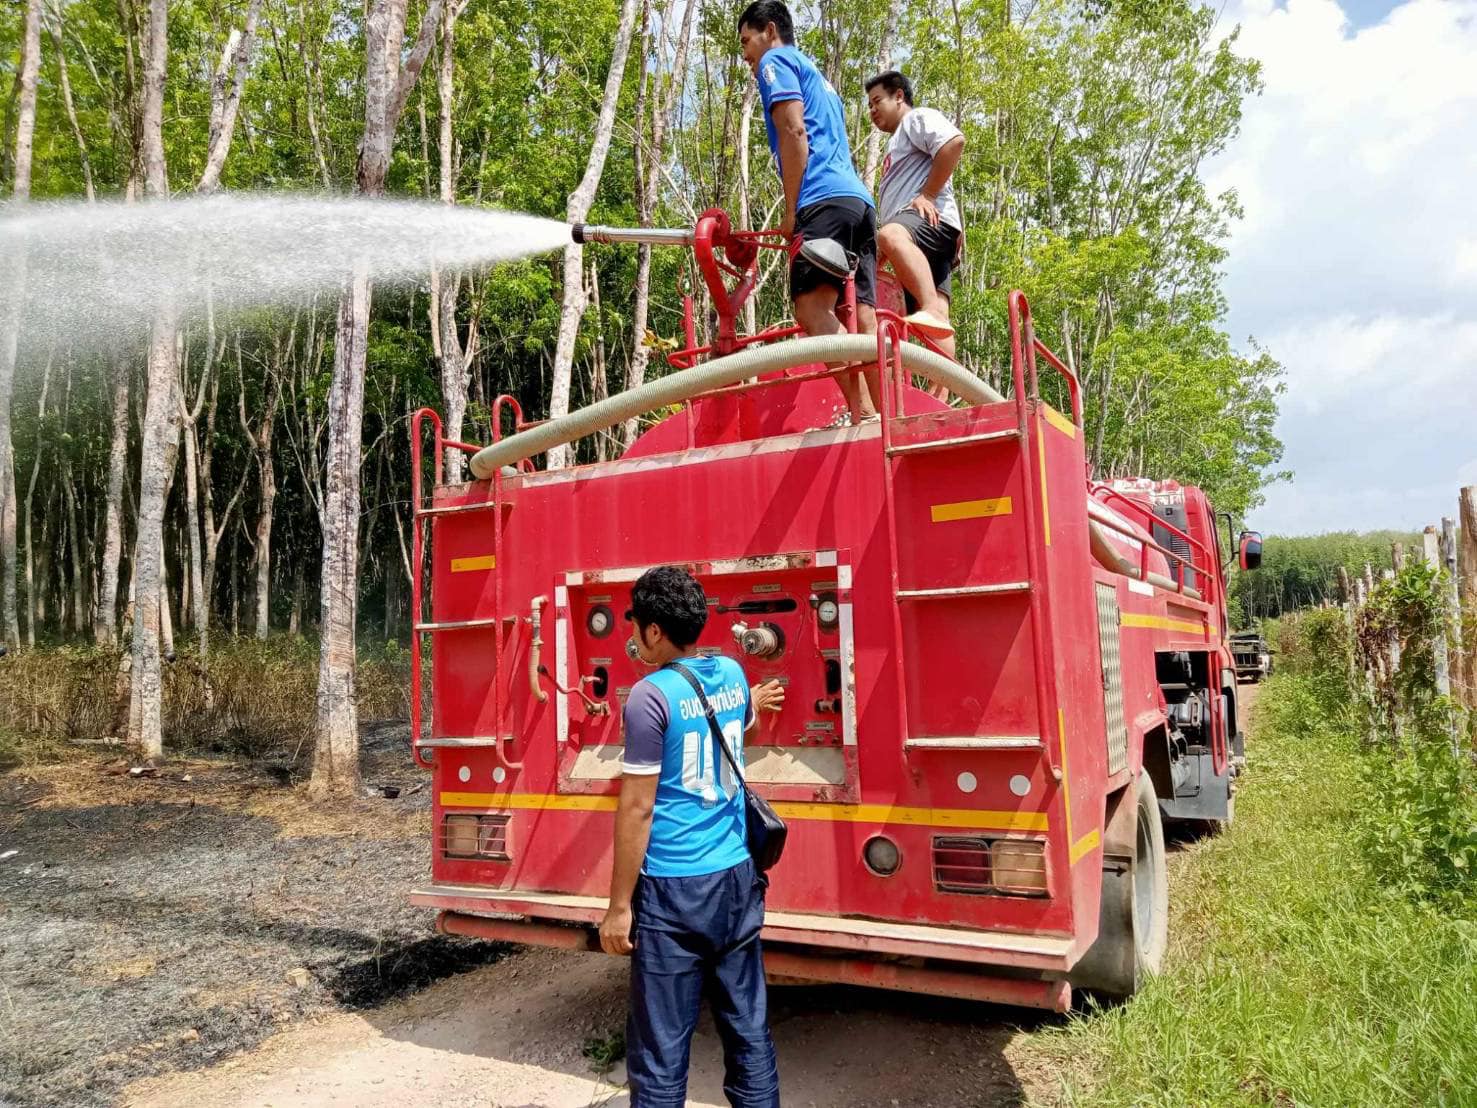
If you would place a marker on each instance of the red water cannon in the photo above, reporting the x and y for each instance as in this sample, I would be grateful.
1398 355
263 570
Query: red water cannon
728 260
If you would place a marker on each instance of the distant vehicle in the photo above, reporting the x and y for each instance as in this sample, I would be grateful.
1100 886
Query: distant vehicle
1253 656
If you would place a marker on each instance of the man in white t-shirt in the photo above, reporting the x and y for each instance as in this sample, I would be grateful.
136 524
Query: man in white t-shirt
920 225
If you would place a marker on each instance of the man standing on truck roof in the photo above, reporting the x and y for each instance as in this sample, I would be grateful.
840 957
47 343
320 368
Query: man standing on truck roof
921 227
824 195
686 900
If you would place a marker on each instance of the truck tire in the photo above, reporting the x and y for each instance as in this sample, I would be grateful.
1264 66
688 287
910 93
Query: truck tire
1133 923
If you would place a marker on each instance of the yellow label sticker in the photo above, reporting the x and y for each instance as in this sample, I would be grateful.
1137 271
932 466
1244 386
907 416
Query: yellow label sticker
467 565
970 509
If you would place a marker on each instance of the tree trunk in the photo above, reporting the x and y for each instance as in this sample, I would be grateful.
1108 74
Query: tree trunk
200 613
336 754
268 475
299 588
13 300
160 429
455 360
160 421
648 175
225 98
579 206
31 606
105 617
884 63
65 80
387 86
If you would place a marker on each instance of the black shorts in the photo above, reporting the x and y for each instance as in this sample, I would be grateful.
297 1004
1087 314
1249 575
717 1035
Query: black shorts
853 224
940 245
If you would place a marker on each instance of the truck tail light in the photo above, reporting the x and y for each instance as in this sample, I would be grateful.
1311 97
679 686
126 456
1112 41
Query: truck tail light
961 865
467 836
969 864
1019 866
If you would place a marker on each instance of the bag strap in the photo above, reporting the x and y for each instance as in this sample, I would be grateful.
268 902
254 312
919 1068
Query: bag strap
697 687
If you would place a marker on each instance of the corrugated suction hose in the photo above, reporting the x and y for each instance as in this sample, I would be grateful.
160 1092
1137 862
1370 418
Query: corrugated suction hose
728 370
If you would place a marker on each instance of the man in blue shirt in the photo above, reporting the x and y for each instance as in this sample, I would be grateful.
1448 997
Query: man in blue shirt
824 195
685 899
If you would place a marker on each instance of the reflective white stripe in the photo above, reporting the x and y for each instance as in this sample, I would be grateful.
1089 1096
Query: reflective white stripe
848 669
561 674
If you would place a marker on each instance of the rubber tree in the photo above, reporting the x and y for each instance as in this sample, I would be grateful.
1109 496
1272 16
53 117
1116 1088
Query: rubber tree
455 355
665 96
387 86
162 411
575 297
13 295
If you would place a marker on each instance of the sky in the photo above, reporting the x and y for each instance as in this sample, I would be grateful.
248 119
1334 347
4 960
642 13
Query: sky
1356 262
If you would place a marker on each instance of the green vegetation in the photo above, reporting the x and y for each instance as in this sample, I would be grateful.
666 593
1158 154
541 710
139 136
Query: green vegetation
1301 571
1086 126
1300 973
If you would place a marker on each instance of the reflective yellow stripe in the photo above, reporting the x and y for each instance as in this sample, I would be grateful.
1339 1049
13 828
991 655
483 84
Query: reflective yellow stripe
1163 623
1059 421
1088 842
832 813
465 565
1045 502
970 509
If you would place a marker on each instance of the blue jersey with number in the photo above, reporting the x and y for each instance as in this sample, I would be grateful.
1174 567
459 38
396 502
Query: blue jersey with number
787 74
697 826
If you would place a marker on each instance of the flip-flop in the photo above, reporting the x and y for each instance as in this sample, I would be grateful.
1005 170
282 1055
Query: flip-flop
926 323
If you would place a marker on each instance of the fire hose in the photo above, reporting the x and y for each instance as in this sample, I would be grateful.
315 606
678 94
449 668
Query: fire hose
756 360
728 370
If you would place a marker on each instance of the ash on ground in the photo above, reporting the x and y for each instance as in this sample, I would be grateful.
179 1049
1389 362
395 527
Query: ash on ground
158 922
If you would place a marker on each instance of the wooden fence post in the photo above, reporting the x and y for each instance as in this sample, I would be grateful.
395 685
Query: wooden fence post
1467 591
1397 556
1431 548
1453 626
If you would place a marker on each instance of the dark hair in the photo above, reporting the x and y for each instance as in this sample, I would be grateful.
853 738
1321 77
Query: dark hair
672 599
762 13
892 81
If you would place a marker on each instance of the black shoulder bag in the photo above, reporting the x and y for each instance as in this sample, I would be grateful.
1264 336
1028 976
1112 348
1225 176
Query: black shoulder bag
766 831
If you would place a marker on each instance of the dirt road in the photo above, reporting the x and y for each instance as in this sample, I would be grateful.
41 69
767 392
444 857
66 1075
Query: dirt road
512 1034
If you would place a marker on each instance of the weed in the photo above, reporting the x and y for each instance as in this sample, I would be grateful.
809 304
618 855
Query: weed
1293 977
605 1052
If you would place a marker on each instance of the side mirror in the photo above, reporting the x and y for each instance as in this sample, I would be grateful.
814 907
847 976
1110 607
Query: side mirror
1251 549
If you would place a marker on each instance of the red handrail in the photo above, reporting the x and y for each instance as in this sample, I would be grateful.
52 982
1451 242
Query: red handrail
1021 327
417 560
510 402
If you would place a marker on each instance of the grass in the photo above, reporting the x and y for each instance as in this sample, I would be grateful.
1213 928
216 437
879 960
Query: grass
253 699
1292 978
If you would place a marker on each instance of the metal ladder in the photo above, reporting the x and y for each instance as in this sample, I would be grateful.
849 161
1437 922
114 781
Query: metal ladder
891 331
423 520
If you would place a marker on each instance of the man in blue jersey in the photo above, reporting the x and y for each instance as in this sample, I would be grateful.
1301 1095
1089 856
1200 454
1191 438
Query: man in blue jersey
685 899
824 195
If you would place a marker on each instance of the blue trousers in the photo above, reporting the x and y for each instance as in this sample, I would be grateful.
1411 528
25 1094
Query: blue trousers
698 937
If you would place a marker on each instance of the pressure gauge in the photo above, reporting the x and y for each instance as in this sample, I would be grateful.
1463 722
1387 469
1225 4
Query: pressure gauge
827 610
599 621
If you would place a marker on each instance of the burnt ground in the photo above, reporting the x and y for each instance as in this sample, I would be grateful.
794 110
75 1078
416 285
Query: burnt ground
150 924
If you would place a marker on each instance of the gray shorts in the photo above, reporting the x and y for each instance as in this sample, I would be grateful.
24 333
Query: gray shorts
940 246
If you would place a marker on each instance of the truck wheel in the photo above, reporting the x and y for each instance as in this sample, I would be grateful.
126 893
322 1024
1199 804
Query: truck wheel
1133 925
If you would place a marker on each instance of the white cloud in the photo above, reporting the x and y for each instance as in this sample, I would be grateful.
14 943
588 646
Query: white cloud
1357 262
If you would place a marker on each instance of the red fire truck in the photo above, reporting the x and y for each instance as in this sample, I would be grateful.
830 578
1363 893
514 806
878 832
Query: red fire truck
1002 676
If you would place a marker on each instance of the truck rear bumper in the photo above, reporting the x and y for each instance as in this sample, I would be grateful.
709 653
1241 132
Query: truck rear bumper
996 966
